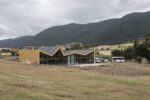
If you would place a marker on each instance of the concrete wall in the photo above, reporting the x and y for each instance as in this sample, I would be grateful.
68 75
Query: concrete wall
29 56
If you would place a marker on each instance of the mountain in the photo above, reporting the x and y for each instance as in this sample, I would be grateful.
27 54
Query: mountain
17 42
112 31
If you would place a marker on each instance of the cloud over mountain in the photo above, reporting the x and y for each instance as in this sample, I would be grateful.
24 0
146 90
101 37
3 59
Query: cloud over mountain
29 17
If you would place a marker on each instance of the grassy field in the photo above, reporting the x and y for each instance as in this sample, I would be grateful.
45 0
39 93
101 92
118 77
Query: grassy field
106 49
112 82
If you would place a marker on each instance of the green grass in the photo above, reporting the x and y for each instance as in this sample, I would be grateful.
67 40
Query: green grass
28 82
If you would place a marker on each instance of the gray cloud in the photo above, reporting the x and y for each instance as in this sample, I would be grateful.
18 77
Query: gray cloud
28 17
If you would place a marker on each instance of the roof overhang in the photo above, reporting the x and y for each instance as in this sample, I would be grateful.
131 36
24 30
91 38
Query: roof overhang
67 53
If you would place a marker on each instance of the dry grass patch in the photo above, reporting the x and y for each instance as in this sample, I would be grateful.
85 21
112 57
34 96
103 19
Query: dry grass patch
122 69
31 82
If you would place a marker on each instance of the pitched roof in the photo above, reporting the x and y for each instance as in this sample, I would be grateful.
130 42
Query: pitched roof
50 50
80 52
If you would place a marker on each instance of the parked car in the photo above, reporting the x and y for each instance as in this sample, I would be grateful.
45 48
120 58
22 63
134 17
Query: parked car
97 60
118 59
106 60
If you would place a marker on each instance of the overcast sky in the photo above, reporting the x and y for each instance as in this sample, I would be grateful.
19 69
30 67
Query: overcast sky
29 17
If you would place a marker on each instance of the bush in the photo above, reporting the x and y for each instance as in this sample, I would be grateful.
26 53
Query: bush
129 53
117 53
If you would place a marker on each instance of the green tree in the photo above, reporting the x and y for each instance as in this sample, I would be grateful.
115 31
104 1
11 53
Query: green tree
117 53
129 53
76 46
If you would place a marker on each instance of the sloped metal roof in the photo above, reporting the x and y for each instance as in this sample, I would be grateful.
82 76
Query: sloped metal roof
50 50
80 52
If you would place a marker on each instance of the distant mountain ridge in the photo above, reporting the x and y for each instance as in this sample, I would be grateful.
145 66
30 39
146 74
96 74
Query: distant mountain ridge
16 42
112 31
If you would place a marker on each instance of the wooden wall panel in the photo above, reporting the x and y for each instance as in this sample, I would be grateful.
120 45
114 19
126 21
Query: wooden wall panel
29 56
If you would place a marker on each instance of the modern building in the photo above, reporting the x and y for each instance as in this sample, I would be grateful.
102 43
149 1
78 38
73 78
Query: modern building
56 55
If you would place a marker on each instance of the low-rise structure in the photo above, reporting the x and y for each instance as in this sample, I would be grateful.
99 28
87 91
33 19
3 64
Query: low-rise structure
56 55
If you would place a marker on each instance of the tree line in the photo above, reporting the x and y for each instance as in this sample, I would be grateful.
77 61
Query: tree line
141 49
